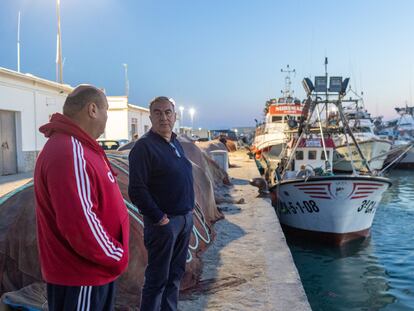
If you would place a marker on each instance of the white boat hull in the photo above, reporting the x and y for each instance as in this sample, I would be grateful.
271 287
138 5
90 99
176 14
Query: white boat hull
371 149
265 141
340 207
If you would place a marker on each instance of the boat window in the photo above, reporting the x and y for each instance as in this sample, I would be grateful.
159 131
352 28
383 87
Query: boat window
312 155
281 100
277 118
299 155
323 155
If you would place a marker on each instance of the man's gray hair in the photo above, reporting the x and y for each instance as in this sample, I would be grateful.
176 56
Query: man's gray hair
159 99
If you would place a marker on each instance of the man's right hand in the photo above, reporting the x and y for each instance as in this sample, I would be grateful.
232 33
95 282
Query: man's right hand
163 221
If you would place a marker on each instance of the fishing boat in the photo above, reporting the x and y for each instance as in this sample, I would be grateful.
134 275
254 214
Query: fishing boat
401 132
281 114
310 199
374 148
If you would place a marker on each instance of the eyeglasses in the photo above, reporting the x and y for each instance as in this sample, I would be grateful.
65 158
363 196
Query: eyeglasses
175 149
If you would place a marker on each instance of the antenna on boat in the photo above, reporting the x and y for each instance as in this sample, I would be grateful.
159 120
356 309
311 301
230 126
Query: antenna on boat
288 82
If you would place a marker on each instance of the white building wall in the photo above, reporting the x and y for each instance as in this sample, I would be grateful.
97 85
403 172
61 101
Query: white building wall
46 104
33 100
117 124
21 100
144 121
120 115
35 104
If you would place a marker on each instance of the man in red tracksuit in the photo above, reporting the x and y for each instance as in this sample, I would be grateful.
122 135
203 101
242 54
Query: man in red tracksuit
82 221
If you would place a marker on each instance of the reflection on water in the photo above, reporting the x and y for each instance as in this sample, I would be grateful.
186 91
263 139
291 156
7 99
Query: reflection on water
374 274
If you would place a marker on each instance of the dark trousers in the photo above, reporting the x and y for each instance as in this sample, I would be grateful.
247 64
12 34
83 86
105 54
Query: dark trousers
167 248
81 298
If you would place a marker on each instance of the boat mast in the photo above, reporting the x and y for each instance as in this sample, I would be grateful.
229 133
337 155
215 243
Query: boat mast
287 92
303 129
337 87
326 92
326 110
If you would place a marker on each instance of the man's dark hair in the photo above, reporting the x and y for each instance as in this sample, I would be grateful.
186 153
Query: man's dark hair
80 97
162 99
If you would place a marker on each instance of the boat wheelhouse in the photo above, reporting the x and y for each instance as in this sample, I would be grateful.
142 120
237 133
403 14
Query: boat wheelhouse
281 114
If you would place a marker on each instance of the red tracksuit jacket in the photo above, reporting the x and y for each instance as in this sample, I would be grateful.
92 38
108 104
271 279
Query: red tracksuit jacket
82 221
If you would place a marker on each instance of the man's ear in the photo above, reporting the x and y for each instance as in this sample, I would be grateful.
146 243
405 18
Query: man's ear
92 110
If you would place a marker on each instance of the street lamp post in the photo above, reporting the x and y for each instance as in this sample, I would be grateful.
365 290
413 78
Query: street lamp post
181 108
126 80
192 112
59 65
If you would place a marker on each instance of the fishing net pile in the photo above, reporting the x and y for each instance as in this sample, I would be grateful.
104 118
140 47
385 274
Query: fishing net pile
20 277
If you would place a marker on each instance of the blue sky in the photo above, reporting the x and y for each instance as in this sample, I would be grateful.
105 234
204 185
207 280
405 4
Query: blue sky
222 57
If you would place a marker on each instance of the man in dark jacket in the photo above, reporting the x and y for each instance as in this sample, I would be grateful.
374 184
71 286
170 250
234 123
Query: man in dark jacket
82 221
161 186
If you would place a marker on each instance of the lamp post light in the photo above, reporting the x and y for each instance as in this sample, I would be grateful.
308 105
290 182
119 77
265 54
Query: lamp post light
59 65
181 108
126 79
192 112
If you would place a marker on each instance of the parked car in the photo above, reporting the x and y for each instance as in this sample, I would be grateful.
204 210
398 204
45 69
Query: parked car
111 144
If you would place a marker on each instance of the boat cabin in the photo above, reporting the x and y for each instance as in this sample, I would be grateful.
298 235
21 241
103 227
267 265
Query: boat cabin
283 110
310 157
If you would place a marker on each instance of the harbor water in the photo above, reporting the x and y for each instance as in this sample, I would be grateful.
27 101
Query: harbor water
375 274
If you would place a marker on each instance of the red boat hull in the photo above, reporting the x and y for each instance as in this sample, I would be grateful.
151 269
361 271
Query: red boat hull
326 238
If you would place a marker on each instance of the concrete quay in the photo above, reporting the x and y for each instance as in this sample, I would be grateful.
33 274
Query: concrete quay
249 266
9 183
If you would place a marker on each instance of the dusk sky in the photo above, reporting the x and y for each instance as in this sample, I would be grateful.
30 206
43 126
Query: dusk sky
222 57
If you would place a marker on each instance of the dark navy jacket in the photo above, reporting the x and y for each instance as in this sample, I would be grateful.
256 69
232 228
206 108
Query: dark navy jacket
160 177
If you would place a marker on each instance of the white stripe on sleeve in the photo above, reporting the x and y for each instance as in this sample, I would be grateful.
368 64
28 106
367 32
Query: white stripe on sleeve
83 186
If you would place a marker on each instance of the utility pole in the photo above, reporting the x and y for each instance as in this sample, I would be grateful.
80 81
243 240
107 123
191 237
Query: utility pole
18 43
181 108
59 67
192 112
126 80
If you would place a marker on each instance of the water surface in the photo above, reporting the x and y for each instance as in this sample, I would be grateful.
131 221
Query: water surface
375 274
